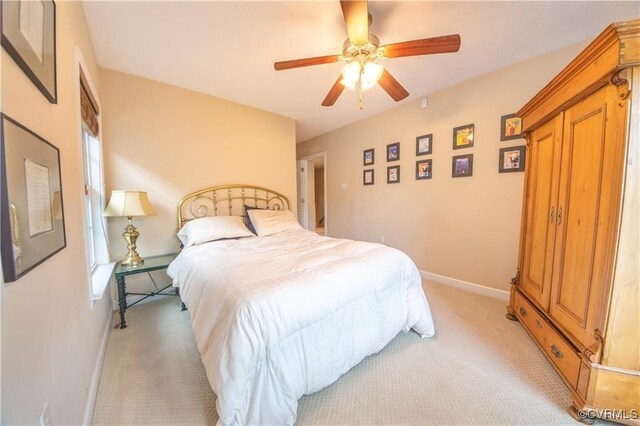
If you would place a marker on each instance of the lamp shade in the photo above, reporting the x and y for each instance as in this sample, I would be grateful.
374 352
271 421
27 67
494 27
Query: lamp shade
129 203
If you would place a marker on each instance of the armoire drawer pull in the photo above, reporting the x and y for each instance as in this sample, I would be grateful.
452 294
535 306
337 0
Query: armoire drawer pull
559 215
552 214
523 312
555 351
538 324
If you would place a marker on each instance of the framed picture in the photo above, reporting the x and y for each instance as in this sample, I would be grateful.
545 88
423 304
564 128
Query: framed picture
423 144
463 137
29 37
368 177
369 157
393 151
393 174
423 169
511 159
32 225
510 127
462 166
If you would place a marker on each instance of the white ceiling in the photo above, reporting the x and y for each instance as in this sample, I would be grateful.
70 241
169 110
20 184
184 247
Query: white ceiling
227 49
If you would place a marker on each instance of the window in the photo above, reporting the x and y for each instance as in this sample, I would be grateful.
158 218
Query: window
99 267
92 193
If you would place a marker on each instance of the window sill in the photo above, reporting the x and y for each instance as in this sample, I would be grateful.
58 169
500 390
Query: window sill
100 278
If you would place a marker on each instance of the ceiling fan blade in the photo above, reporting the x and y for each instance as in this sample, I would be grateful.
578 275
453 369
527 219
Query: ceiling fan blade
297 63
425 46
334 93
356 16
392 87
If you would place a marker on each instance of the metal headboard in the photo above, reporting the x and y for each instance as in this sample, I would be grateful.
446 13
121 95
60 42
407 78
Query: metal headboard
228 200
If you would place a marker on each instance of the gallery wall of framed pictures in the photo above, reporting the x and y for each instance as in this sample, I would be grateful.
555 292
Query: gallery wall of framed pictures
510 159
30 173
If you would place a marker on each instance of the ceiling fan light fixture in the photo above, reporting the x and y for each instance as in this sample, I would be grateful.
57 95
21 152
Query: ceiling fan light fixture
372 72
350 84
351 73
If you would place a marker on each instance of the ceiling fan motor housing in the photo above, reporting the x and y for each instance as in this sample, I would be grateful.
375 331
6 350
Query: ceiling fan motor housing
369 50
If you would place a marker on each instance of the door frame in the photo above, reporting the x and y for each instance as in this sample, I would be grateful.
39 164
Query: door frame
323 155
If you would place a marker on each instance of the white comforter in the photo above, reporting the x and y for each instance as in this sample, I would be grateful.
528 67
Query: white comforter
282 316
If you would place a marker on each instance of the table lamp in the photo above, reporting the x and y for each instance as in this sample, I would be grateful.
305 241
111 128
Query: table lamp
129 204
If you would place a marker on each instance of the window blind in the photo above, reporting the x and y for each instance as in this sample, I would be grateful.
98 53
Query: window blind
89 106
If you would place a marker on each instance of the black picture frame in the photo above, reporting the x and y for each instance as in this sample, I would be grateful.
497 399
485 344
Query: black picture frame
462 165
368 157
32 224
420 140
393 152
40 67
393 174
463 136
424 169
510 127
512 159
365 173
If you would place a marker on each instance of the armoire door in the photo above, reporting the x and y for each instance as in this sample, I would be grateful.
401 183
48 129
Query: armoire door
541 205
589 197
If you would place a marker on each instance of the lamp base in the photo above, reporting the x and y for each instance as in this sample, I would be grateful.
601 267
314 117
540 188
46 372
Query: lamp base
131 235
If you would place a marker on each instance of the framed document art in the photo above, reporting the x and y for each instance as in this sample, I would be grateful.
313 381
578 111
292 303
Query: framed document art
32 225
511 159
368 177
29 36
423 145
369 157
462 166
424 169
463 136
393 174
510 127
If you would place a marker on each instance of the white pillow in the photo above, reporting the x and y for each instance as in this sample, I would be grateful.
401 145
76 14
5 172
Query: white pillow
212 228
269 222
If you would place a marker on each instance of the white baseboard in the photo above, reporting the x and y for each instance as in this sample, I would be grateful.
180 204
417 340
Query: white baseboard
95 378
465 285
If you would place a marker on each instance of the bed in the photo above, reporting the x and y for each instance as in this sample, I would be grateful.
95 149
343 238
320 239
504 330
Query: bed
280 316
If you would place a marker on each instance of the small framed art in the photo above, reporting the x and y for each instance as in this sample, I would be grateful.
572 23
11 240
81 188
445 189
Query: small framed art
463 136
368 158
29 37
32 226
462 165
510 127
393 151
423 144
512 159
393 174
423 169
368 177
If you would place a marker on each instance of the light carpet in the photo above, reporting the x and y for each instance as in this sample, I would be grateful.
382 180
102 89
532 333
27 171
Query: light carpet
480 368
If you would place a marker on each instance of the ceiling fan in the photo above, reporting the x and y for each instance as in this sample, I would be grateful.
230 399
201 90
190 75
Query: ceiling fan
362 49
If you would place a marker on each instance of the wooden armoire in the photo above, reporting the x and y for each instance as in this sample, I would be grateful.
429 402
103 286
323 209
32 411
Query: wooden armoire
576 290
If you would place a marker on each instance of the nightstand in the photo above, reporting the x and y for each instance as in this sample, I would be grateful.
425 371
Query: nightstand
152 263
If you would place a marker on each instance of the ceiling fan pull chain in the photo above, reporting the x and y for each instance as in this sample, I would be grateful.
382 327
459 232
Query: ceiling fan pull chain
359 92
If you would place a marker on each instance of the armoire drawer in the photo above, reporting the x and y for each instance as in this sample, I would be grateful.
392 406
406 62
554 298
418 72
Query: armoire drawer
561 354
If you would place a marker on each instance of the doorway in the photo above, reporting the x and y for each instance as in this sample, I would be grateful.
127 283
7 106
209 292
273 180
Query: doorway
312 193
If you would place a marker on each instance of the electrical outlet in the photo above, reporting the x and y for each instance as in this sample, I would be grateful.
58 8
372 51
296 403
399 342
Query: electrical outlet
344 186
45 416
382 239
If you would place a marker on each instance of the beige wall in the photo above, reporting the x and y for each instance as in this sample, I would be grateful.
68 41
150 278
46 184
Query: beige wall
170 141
51 337
464 228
